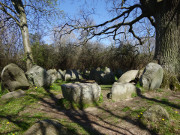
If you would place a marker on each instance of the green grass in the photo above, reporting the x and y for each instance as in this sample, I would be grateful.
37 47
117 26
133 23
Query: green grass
11 122
106 87
134 95
165 100
167 127
137 112
125 109
9 114
64 103
116 78
140 87
2 92
15 119
159 90
73 127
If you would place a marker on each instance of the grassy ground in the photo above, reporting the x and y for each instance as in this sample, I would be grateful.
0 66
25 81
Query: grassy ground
17 115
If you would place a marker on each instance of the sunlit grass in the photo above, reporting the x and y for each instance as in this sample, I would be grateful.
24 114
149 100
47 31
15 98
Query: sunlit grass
15 119
106 87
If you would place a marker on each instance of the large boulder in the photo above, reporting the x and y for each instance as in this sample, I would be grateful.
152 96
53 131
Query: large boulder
155 113
152 76
122 91
101 77
14 94
47 127
128 76
81 93
13 77
53 74
38 76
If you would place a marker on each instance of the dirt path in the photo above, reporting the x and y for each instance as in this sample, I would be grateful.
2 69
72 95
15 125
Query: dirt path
110 118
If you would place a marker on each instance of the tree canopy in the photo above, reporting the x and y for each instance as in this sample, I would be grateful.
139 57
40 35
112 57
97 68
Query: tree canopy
163 15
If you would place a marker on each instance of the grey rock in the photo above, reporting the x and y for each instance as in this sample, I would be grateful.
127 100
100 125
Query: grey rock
128 76
71 75
155 113
47 127
86 71
82 93
13 78
38 76
122 91
102 77
61 74
107 70
14 94
98 69
152 76
53 74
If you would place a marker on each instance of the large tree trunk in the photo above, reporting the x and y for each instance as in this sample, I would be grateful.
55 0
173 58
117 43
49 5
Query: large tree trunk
25 33
167 50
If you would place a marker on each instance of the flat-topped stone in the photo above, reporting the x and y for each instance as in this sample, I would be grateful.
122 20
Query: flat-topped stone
122 91
128 76
81 93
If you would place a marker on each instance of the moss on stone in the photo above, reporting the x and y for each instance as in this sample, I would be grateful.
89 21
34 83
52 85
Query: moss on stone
170 81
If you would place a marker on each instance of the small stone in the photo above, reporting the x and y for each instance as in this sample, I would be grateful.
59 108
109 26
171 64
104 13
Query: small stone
14 94
155 113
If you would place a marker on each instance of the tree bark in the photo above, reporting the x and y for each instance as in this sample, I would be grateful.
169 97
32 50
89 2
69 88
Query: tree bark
25 33
26 43
167 50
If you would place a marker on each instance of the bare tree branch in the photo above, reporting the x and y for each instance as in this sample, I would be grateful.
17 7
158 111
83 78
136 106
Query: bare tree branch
3 5
10 15
151 20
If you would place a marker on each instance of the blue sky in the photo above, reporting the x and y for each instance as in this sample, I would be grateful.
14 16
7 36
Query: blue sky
73 7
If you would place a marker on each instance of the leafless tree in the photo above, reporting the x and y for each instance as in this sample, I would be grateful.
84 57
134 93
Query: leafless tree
163 16
23 11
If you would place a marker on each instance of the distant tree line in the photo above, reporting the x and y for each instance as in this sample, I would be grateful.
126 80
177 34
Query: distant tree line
65 55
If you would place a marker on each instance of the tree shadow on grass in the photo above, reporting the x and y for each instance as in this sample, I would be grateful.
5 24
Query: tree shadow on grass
83 120
20 123
139 93
81 117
